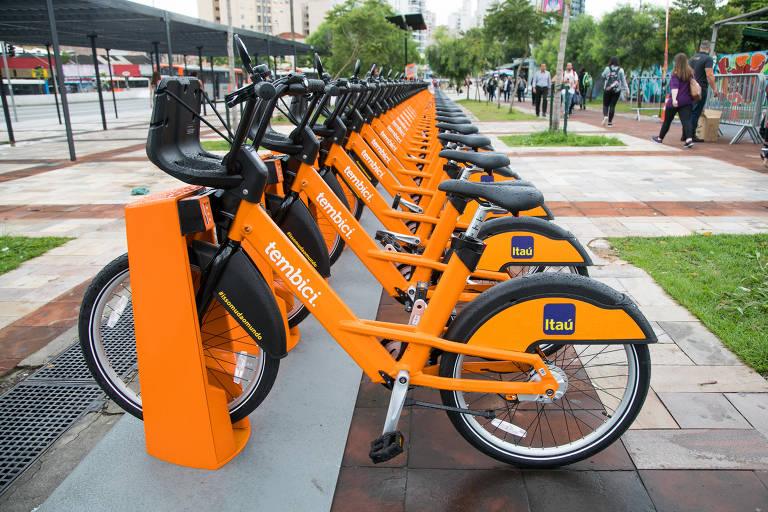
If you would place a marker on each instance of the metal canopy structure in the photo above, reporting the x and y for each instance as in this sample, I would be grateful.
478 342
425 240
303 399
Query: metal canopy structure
123 25
120 25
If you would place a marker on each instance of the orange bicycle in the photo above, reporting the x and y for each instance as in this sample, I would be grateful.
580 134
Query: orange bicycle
538 371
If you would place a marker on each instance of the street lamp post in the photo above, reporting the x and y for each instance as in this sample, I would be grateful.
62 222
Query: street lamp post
414 21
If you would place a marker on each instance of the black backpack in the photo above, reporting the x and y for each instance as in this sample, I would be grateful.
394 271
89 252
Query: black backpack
613 83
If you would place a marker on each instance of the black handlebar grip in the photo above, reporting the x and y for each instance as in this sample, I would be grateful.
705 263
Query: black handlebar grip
265 90
356 87
296 89
316 85
332 90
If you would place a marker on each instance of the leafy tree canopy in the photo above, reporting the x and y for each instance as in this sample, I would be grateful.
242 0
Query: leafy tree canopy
358 29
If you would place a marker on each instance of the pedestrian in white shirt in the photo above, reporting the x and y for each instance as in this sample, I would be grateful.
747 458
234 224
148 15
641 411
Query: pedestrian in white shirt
571 79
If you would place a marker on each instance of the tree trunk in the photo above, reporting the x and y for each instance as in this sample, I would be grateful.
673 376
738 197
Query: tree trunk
558 79
231 55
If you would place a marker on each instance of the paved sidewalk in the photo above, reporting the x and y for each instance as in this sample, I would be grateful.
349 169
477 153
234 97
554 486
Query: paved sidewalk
701 441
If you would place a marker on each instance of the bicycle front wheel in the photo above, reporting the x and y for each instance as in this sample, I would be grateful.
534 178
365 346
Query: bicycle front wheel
108 344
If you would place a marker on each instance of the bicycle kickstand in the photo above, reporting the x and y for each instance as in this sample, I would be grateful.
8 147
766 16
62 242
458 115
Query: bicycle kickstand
390 444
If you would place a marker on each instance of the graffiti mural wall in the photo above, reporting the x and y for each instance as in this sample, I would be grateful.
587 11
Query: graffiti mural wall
738 63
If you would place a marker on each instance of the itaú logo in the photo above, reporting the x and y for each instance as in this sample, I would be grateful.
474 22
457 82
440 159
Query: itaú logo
335 215
358 184
371 163
292 274
522 247
380 150
559 318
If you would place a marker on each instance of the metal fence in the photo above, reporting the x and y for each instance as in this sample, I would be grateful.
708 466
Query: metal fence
647 93
741 101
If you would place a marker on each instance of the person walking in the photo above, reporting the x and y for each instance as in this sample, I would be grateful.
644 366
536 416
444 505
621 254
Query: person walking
703 72
541 83
585 83
680 100
571 79
508 88
614 81
521 85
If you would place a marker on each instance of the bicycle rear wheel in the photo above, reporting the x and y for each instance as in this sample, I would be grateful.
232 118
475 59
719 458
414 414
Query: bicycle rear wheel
233 360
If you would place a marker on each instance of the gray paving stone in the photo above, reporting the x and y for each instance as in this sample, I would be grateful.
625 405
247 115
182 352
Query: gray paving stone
701 345
754 407
697 449
711 379
703 410
668 354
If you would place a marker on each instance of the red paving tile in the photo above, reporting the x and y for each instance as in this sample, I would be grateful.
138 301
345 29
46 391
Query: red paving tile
35 330
370 490
69 211
53 165
693 491
659 208
744 154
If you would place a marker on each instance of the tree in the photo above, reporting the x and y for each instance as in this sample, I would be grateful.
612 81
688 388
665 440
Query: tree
516 24
557 82
690 23
358 29
635 36
583 35
456 57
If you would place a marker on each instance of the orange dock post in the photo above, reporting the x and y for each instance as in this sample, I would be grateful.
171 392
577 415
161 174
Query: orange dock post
186 419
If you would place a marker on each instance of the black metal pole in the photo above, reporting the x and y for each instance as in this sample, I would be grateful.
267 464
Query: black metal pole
295 66
200 63
98 80
213 80
186 73
53 77
168 39
405 65
112 81
157 55
60 82
6 112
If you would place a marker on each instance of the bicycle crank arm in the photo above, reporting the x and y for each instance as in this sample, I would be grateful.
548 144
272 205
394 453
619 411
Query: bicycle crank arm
485 414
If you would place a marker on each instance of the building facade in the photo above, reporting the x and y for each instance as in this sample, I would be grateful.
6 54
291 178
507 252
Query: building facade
268 16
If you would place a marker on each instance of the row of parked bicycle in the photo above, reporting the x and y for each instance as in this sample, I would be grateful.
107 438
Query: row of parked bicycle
537 365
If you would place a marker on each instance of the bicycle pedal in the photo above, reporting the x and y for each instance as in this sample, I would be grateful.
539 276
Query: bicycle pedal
386 447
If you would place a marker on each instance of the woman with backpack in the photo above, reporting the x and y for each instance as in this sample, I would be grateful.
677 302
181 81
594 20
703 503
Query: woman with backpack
680 100
614 81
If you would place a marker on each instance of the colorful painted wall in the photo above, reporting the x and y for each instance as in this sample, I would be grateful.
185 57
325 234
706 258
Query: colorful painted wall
737 63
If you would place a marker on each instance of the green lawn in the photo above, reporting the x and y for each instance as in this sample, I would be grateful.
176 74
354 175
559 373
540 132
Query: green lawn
490 112
722 279
215 145
547 138
14 250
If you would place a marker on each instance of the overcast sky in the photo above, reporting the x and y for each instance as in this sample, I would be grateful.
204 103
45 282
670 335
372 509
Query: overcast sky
442 8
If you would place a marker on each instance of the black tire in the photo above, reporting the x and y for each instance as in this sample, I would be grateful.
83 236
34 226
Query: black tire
572 361
111 355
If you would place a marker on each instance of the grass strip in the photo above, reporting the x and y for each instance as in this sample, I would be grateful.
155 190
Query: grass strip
486 111
722 279
547 138
15 250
